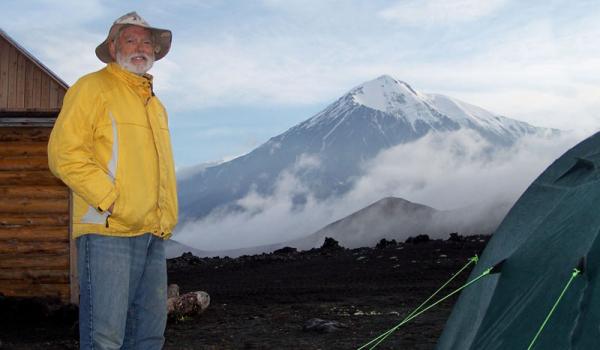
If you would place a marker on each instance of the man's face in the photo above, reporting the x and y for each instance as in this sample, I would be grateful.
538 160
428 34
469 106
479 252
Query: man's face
133 49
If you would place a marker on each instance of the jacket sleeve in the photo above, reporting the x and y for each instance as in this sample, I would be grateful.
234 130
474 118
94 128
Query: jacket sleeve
70 148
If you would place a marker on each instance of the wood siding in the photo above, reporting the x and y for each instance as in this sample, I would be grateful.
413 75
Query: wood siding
34 218
25 85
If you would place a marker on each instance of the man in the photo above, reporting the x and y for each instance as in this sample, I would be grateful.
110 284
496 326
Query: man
111 146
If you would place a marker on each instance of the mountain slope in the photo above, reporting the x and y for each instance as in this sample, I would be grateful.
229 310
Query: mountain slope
397 218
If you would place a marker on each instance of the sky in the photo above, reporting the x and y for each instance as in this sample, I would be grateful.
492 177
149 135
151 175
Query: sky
240 72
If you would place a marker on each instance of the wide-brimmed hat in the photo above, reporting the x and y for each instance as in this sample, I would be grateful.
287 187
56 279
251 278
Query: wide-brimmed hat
162 37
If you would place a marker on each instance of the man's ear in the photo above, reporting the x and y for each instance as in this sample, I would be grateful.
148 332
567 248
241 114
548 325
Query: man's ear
112 49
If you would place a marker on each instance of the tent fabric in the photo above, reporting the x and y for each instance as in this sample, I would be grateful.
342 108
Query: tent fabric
554 224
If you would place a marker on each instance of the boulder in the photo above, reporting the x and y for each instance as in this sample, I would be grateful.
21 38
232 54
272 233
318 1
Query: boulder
322 326
188 304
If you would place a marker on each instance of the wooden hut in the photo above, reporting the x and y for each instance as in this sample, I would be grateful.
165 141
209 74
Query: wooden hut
35 246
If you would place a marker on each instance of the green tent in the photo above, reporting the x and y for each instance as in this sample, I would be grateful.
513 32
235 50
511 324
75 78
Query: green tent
553 228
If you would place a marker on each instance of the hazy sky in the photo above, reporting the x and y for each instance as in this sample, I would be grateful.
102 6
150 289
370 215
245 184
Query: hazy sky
240 72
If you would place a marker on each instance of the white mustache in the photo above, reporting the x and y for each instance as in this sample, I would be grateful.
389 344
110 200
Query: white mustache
137 55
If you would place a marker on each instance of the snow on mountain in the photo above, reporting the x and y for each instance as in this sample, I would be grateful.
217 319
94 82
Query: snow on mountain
394 97
430 112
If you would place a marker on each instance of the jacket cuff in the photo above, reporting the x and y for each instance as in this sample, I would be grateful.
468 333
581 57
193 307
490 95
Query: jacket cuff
108 200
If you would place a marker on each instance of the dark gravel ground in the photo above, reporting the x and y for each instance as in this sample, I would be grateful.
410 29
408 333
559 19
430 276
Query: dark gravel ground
266 301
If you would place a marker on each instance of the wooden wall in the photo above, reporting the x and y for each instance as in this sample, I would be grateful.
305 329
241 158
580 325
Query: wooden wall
24 86
34 218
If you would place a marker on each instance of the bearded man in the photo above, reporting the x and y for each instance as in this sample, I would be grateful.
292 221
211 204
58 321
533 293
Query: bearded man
111 146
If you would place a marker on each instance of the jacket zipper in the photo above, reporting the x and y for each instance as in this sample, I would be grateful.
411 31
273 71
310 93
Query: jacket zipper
108 216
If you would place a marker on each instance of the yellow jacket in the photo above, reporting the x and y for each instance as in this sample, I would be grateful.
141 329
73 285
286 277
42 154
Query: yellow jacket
111 144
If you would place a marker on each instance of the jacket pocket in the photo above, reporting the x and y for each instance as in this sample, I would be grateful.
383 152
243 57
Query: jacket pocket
126 215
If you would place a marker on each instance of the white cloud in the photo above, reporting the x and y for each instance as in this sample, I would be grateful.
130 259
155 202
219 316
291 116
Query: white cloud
445 171
535 68
230 71
420 12
458 171
268 219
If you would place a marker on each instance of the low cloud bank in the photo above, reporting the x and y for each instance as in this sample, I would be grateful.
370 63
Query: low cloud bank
444 171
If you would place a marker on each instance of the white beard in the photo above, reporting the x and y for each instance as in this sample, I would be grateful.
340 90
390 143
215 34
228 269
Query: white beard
125 62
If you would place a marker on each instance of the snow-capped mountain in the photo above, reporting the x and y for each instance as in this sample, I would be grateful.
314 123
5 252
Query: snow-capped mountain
326 152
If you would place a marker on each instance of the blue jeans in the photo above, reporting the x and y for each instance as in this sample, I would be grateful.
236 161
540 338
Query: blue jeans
123 292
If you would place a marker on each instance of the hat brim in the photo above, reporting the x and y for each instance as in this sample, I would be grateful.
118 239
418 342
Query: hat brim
162 42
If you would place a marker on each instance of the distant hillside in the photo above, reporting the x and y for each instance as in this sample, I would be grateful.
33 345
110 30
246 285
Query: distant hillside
389 218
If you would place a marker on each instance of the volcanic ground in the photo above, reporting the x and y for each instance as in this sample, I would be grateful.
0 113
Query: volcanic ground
325 298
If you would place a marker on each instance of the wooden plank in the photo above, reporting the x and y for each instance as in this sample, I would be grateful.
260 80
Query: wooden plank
24 289
13 134
12 77
28 248
27 122
53 98
4 54
35 276
29 177
20 220
36 87
39 261
21 63
54 192
45 91
32 112
23 149
33 205
61 96
35 233
29 86
23 163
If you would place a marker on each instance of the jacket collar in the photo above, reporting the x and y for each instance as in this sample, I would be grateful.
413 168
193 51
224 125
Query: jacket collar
140 83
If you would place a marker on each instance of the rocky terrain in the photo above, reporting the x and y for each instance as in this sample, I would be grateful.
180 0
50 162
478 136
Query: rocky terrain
326 298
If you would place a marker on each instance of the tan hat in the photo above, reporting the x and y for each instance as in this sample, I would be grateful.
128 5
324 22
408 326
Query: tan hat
162 37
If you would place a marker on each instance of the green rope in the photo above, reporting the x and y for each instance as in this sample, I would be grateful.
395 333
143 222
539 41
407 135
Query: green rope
575 273
379 339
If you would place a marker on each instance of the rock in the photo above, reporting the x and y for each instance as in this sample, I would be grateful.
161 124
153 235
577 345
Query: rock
418 239
285 250
191 258
384 243
172 291
188 304
330 244
322 326
455 237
